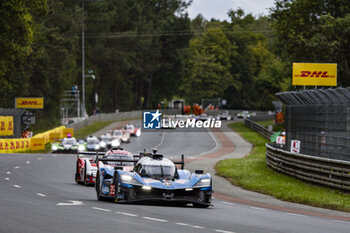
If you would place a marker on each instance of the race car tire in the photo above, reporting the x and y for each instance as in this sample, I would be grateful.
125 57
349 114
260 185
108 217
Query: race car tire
97 187
97 183
85 183
76 173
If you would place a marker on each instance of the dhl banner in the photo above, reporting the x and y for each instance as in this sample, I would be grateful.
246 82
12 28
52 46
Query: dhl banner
32 144
68 131
14 145
6 125
46 135
32 103
314 74
37 144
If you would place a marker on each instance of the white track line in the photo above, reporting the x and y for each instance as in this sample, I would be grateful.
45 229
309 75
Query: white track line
127 214
17 167
16 186
6 178
228 203
54 155
162 140
221 231
96 208
8 173
217 145
257 208
41 195
198 227
28 162
298 215
182 224
39 158
155 219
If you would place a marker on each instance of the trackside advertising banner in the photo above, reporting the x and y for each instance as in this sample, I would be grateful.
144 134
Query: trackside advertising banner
14 145
30 103
35 143
6 125
314 74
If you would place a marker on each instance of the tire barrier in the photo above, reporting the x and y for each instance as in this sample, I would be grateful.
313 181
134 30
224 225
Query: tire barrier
328 172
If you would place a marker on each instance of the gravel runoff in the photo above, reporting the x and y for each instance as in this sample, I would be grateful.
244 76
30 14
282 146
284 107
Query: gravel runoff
222 185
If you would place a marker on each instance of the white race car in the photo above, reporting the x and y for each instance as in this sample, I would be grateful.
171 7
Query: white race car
92 144
123 136
86 168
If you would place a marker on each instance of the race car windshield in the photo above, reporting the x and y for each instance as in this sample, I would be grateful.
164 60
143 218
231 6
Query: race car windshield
92 141
117 133
69 141
129 127
106 139
160 172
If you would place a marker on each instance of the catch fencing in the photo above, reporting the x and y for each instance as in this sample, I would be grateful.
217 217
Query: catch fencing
320 120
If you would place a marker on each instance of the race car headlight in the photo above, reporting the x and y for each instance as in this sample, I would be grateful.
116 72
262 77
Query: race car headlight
103 144
81 148
129 180
115 143
146 187
54 148
203 183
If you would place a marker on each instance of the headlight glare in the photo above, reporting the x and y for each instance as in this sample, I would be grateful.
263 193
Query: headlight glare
129 180
203 183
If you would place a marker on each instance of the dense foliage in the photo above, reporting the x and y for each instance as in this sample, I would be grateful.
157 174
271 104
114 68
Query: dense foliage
145 52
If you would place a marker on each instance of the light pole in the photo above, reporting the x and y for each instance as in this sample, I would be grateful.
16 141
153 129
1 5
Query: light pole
83 110
82 61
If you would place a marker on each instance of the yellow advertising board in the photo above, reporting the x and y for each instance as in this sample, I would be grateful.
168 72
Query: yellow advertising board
37 144
68 131
9 125
314 74
14 145
6 125
33 103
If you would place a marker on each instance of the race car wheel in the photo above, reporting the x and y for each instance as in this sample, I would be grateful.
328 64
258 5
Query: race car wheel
76 173
97 183
85 183
97 187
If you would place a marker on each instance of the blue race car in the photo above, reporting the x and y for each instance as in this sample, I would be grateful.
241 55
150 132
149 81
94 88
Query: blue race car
153 179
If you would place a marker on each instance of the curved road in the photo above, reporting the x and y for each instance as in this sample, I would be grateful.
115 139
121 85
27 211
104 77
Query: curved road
38 194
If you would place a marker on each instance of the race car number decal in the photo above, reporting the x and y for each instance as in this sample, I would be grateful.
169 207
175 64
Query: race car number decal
112 190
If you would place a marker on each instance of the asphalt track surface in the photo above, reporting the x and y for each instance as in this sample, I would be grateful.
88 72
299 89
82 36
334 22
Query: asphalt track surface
38 194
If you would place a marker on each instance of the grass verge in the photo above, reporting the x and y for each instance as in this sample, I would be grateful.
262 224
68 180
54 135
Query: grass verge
252 173
90 129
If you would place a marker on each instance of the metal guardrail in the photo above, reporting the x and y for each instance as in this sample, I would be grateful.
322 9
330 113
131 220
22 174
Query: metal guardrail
329 172
258 128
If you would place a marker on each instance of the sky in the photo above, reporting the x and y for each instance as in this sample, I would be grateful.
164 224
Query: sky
218 8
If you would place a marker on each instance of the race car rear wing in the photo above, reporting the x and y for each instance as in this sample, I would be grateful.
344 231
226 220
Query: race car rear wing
89 153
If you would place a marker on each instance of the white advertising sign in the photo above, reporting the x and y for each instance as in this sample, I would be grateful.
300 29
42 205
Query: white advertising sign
295 146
